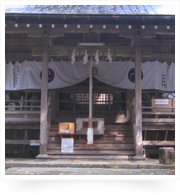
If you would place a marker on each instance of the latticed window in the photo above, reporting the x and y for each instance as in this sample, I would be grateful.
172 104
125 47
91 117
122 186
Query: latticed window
103 98
79 101
82 98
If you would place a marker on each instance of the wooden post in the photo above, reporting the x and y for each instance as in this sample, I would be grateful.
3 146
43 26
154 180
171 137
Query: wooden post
138 98
90 119
44 98
166 155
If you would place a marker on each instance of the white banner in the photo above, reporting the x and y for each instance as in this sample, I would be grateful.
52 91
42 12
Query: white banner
27 75
154 75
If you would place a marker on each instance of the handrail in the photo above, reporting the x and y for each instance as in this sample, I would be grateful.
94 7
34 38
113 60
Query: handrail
154 119
25 112
23 101
22 105
150 107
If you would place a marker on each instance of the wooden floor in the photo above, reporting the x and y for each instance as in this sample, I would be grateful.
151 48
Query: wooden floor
117 142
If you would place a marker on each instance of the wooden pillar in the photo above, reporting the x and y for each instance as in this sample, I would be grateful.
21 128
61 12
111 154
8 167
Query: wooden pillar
90 119
44 98
138 98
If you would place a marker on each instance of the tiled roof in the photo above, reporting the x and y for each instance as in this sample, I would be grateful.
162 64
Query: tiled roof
93 9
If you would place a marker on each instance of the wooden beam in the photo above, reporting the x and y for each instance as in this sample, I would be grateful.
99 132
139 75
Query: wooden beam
158 127
34 30
22 112
163 56
19 28
26 41
154 42
123 30
158 120
37 32
28 56
149 32
44 97
130 34
124 51
158 143
14 57
158 113
71 41
17 56
27 142
9 120
22 126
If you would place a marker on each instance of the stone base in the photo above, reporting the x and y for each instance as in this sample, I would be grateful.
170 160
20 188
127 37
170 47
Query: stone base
90 136
139 157
42 156
166 155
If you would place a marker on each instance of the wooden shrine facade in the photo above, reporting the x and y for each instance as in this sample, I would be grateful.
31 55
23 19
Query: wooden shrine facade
42 37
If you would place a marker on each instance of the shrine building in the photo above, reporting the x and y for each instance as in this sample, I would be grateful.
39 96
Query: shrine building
89 81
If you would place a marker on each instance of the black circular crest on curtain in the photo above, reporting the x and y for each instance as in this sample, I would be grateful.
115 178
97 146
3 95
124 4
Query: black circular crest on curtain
51 75
131 75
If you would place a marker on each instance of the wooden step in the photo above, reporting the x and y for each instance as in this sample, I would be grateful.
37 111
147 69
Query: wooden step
95 146
128 138
121 137
117 141
119 127
158 120
99 142
108 132
107 127
151 127
90 152
92 157
118 132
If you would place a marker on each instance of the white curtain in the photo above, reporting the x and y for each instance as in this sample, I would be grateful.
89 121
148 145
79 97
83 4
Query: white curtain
171 76
122 74
27 75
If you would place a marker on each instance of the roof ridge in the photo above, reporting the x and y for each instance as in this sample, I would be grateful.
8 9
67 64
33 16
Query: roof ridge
93 9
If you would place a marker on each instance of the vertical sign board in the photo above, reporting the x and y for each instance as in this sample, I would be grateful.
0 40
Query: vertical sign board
67 145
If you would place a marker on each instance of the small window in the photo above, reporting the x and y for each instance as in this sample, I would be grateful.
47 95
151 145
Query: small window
82 98
103 98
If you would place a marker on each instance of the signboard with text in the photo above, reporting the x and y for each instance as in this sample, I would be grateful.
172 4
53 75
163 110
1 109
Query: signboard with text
67 145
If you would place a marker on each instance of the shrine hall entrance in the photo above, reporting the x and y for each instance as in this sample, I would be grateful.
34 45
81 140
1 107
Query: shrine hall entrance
109 109
73 102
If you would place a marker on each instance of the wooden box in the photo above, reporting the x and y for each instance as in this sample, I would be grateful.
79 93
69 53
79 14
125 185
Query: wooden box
66 128
161 105
173 104
82 126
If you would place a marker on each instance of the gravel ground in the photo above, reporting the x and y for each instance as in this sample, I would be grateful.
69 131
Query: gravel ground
85 171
